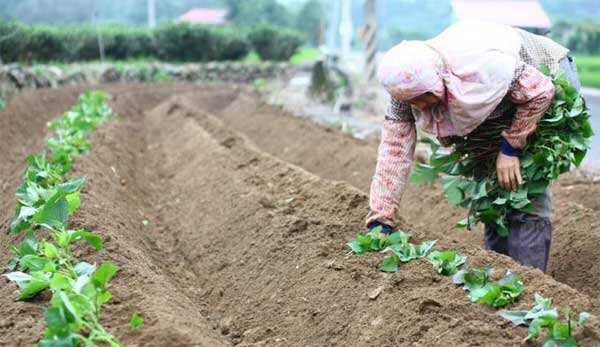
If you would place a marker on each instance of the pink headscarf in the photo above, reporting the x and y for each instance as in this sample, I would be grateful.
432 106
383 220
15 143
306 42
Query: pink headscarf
469 67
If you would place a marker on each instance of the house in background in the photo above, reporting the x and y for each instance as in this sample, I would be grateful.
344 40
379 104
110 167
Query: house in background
207 16
524 14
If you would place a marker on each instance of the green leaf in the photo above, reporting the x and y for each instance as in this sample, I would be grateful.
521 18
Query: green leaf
33 262
578 108
93 239
446 262
397 237
405 251
356 247
71 186
50 250
23 215
579 156
453 193
74 201
20 278
390 264
515 317
480 293
423 173
30 285
104 297
104 274
586 129
28 246
537 187
59 282
424 248
84 269
136 321
70 308
54 213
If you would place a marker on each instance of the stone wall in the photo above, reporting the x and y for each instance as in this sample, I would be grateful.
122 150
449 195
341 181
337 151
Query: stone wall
15 77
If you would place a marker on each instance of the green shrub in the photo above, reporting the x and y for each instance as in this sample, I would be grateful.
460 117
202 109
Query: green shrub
179 42
187 43
122 43
13 41
273 43
584 39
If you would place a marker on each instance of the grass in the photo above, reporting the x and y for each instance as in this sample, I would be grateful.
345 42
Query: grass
303 55
589 70
252 58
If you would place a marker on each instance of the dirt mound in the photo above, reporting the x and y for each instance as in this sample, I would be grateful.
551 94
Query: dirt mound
575 259
242 247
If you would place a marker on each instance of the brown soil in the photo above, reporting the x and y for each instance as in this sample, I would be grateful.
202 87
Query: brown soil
244 246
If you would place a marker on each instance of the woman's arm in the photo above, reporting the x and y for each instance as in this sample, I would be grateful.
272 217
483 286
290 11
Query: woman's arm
533 92
395 155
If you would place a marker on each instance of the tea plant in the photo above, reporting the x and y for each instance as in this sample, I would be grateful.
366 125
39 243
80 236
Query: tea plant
561 139
45 201
543 319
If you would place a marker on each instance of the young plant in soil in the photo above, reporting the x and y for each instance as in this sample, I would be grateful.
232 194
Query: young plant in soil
45 201
544 320
446 263
396 243
561 139
482 290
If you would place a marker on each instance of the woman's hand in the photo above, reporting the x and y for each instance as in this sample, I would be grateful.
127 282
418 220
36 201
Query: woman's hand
508 170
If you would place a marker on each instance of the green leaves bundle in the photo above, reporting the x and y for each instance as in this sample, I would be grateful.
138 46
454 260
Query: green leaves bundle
561 139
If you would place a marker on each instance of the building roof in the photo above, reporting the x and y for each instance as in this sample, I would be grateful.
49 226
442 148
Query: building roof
205 16
518 13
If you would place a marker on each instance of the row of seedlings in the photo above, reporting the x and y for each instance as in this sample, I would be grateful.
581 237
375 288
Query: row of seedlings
45 258
560 141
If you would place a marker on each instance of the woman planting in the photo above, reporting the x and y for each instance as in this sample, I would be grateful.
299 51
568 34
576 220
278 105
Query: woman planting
472 81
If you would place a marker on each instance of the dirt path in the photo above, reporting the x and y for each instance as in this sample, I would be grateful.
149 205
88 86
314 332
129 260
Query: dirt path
242 247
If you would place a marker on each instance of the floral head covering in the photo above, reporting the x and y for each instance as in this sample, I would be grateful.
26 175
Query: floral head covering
469 66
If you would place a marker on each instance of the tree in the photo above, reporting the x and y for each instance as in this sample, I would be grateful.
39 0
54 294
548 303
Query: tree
251 13
310 19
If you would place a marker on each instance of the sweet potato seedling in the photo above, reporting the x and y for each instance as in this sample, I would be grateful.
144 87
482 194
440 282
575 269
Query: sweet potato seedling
446 263
46 200
136 321
484 291
396 243
544 320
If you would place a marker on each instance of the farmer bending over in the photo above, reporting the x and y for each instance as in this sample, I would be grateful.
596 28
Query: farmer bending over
455 86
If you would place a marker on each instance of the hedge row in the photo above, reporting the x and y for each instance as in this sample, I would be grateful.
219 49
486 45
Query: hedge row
178 42
585 39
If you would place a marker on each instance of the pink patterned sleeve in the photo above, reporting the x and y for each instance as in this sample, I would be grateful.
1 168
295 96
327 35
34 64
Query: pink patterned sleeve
533 92
395 155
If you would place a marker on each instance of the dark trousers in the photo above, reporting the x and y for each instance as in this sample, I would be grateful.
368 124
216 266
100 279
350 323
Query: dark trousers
528 242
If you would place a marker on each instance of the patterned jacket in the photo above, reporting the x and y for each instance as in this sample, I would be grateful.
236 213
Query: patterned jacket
531 93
